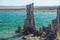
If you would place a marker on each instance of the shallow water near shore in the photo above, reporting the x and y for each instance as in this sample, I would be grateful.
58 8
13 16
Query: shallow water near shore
9 21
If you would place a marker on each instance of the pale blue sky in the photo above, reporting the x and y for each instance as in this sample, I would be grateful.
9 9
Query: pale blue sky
25 2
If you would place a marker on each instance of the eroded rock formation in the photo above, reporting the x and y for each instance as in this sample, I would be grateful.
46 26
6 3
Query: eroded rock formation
29 23
48 32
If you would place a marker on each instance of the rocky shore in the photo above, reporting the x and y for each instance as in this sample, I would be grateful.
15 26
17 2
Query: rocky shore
29 31
44 33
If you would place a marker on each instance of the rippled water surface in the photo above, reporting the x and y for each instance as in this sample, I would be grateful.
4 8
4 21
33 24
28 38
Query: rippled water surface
9 21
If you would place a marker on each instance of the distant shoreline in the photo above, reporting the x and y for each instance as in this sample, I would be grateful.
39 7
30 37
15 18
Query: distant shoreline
46 10
35 10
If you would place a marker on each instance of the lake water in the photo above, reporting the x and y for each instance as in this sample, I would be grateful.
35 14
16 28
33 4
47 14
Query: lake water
9 21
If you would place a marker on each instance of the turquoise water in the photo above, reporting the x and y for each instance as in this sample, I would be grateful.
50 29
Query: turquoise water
9 21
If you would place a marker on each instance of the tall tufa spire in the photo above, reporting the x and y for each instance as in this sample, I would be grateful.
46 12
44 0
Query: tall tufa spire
58 17
29 21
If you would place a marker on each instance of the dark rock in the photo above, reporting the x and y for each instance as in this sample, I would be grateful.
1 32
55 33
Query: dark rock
40 31
58 17
44 28
23 38
29 30
54 26
49 27
29 23
19 29
59 7
51 35
36 33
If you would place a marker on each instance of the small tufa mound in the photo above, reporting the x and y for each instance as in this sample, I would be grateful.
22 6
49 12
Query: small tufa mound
19 29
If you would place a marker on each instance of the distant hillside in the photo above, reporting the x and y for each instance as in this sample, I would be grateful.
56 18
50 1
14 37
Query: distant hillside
12 7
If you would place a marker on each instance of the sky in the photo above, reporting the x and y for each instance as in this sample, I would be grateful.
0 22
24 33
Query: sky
25 2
